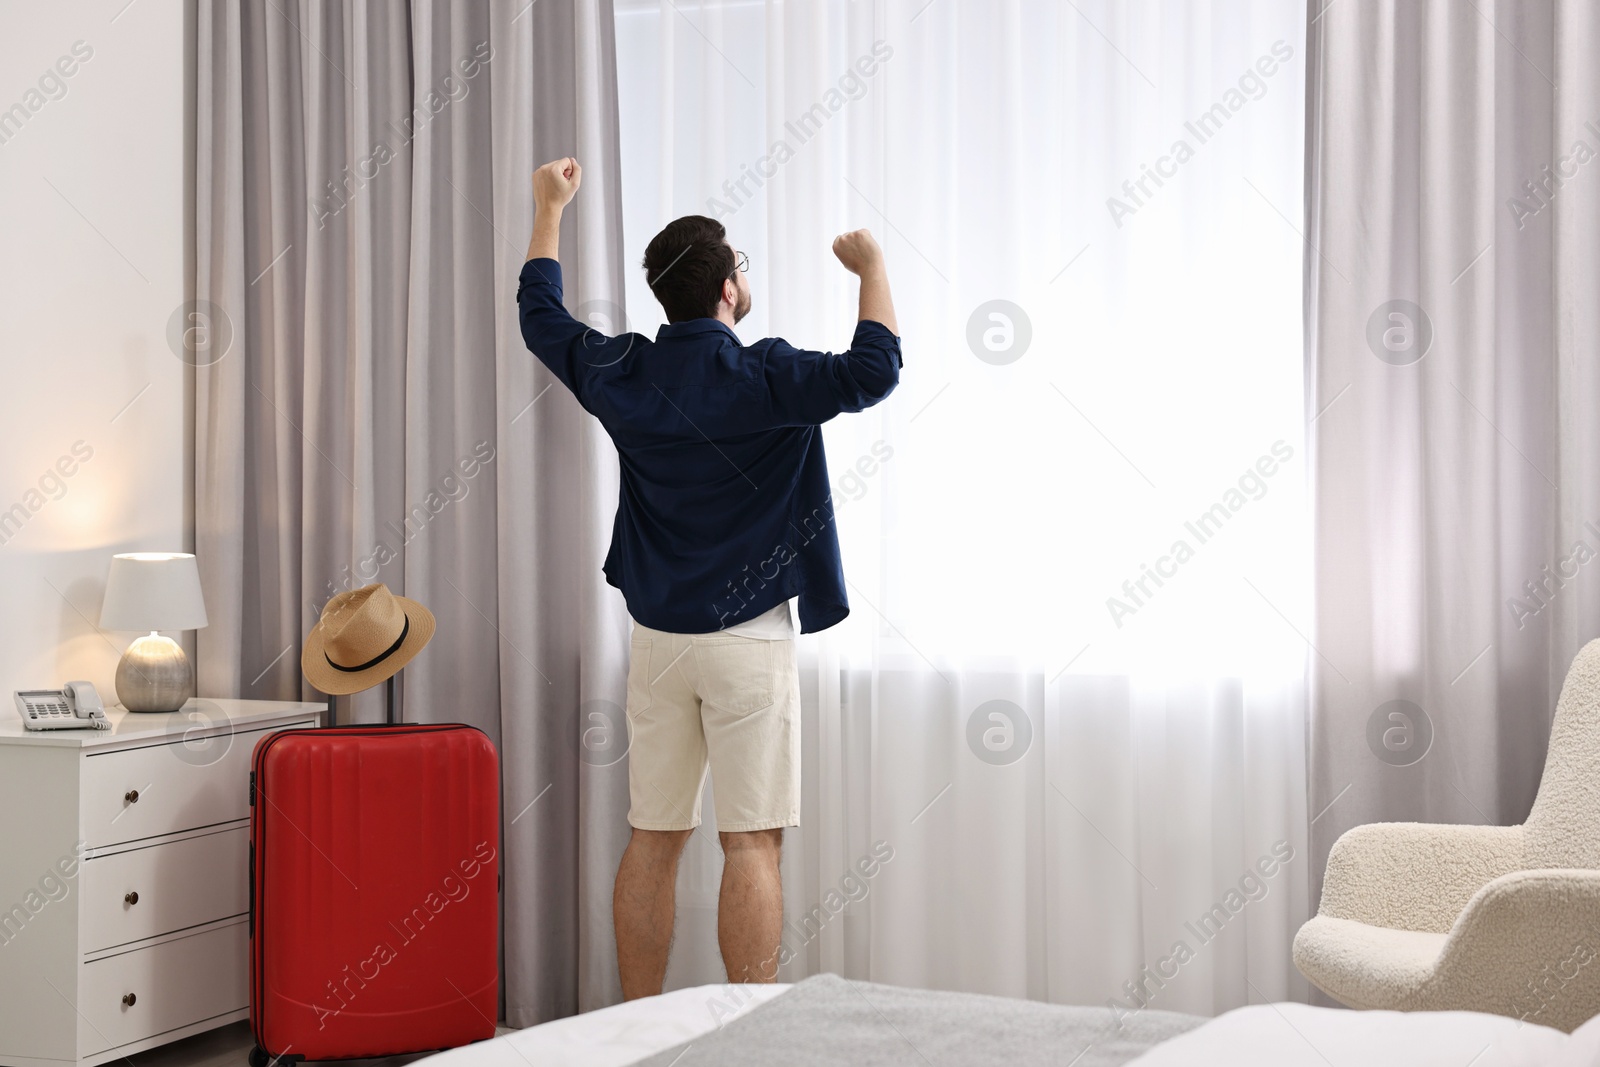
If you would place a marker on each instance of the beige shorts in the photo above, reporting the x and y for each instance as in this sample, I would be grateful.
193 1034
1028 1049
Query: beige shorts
719 702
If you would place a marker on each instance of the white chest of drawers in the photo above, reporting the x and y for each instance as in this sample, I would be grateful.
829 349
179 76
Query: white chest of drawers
124 895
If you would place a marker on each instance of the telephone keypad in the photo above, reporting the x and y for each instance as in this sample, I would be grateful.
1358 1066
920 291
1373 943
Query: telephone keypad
47 709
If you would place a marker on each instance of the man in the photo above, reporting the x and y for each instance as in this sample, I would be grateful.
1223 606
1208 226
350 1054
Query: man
724 516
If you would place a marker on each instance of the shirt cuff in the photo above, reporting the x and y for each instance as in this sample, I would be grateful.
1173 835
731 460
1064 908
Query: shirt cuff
873 330
541 271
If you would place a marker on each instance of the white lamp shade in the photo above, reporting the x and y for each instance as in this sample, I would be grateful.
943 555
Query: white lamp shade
153 591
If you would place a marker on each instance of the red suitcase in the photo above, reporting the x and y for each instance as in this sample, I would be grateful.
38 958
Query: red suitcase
374 891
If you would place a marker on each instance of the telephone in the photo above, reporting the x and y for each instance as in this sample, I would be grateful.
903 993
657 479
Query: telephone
74 706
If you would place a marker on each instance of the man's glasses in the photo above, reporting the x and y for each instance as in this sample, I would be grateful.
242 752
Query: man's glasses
741 262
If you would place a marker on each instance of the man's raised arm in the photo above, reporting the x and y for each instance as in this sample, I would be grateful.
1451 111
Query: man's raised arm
568 347
809 388
861 256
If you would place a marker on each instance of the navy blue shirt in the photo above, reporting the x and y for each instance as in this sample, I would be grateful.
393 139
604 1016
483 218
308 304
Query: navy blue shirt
724 509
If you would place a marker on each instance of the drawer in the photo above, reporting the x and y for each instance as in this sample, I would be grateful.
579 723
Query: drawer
174 885
171 984
134 793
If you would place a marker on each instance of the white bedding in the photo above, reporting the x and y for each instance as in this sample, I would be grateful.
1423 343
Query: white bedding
1292 1035
1262 1035
621 1034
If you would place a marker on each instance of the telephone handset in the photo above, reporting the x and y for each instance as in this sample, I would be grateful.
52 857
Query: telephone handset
74 706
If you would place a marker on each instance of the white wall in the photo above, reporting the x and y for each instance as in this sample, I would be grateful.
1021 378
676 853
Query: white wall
93 180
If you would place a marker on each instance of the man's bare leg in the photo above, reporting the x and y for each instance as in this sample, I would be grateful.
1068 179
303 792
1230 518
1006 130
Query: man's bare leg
750 905
642 907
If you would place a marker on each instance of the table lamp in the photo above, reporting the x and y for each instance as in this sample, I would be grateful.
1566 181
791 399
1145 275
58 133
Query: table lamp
153 591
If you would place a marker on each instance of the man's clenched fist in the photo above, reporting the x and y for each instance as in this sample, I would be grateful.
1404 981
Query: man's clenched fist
858 251
555 183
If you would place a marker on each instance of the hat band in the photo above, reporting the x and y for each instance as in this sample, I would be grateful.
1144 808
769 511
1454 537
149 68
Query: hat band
380 657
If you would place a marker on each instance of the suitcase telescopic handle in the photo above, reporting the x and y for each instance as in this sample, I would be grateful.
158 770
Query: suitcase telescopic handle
391 704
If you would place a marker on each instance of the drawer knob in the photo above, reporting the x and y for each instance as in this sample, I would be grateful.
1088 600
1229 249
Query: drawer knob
131 796
131 898
128 1000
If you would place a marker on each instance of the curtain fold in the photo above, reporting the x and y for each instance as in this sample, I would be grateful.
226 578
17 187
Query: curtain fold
1451 220
363 208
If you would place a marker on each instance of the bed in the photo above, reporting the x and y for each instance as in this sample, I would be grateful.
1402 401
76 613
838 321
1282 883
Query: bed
829 1020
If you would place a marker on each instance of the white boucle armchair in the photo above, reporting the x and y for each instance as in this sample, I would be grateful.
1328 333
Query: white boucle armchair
1502 919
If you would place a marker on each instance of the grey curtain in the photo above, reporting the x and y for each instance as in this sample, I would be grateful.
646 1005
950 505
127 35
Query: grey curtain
1452 235
365 409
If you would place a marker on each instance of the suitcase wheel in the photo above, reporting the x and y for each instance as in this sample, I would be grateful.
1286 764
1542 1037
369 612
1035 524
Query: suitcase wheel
260 1058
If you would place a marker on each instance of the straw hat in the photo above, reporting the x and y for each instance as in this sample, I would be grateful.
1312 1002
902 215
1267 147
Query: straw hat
364 637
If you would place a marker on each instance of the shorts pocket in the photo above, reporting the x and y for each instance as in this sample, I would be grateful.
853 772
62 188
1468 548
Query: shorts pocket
639 695
737 676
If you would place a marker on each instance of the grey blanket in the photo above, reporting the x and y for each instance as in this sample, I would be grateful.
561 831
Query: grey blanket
831 1020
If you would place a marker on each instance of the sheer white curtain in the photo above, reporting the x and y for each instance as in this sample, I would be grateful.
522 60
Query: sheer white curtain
1057 749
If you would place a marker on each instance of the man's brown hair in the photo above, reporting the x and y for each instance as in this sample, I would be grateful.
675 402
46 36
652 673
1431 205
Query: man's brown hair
685 265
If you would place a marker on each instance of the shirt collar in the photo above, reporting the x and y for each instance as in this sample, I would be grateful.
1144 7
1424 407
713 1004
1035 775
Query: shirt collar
674 331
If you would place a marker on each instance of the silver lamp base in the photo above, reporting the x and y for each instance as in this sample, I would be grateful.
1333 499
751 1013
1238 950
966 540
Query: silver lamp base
154 675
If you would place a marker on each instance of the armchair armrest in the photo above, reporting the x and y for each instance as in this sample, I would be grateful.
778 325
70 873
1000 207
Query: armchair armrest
1415 876
1527 945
